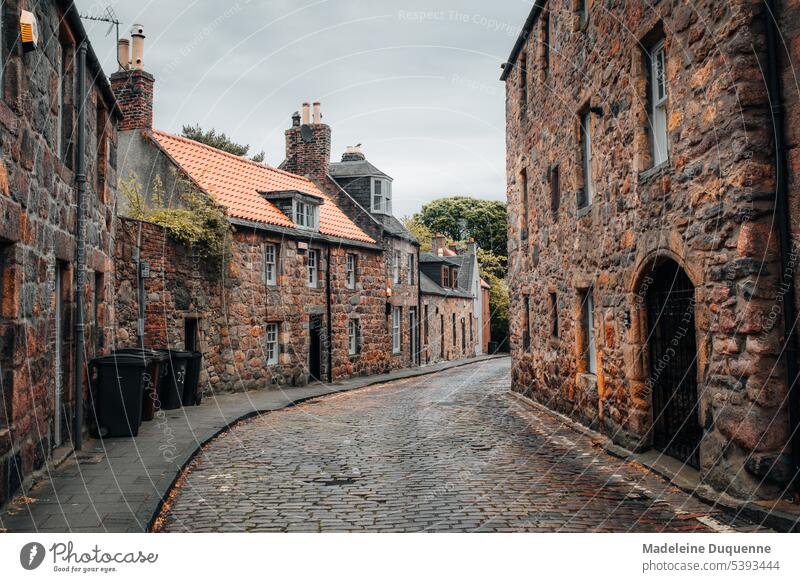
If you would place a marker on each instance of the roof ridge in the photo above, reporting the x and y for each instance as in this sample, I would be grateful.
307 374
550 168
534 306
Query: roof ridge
230 155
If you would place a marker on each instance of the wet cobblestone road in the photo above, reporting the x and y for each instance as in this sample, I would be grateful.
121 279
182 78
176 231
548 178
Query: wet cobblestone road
446 452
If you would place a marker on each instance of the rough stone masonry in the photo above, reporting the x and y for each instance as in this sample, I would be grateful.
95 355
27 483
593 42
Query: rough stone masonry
640 157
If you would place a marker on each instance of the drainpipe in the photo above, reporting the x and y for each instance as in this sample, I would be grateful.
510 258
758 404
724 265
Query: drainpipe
80 266
784 235
330 312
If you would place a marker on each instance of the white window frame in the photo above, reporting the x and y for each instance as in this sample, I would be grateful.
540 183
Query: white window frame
352 337
271 264
271 345
396 258
397 340
350 271
586 150
445 277
410 278
381 196
306 215
313 268
658 104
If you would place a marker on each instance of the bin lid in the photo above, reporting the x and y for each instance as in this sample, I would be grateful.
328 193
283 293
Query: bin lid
120 360
156 355
179 354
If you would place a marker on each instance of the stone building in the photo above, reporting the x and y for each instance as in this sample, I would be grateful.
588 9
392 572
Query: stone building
645 249
364 193
455 303
40 133
301 295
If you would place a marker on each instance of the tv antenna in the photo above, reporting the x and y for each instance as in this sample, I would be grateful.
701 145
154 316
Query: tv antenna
110 17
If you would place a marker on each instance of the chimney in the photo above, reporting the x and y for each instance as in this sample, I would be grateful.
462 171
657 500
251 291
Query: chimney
133 86
437 244
137 60
308 146
124 54
472 246
353 154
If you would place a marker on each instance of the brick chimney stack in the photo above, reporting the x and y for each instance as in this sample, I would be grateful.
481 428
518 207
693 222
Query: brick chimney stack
353 154
438 242
308 145
132 85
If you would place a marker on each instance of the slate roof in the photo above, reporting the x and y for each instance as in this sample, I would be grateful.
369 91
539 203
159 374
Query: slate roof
354 169
235 182
429 287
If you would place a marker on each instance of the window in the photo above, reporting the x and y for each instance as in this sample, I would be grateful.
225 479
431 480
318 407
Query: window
523 84
524 199
397 316
350 271
546 41
454 330
272 344
426 327
271 264
555 189
445 277
658 104
441 336
455 278
305 215
381 196
352 337
102 151
526 323
587 193
97 321
312 268
554 314
410 277
588 350
583 11
396 267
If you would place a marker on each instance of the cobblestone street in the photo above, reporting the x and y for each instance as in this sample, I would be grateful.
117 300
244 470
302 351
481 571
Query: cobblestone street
447 452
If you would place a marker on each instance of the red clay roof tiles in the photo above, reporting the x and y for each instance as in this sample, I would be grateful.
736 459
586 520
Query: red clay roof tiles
235 183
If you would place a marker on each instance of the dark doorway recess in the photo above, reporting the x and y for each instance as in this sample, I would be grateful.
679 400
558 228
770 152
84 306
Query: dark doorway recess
673 363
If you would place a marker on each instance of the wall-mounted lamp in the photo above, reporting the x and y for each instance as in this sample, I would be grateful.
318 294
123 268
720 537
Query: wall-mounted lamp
28 31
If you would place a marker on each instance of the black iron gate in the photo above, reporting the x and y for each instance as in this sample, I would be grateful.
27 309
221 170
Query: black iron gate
673 364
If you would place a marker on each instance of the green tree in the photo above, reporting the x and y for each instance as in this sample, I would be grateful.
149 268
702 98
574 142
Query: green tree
219 141
421 232
460 218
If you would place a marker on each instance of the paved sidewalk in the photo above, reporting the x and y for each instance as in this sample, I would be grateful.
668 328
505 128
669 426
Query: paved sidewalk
117 485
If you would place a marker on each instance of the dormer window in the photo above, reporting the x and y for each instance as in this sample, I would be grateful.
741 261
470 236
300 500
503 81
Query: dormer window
455 278
300 207
445 277
381 196
306 215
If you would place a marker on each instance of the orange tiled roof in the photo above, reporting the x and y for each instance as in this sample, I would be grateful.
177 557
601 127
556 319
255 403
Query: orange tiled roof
235 183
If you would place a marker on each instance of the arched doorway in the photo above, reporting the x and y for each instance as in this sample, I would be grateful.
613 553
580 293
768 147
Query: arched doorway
672 345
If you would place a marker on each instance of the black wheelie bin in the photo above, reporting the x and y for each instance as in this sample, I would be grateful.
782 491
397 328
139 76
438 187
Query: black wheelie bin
120 389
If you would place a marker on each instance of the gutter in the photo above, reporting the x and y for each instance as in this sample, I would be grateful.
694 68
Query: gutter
80 262
508 66
785 239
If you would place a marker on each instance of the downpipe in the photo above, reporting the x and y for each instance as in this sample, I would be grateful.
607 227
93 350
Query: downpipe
785 238
80 262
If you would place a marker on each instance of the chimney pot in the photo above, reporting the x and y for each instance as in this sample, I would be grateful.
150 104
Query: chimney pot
317 112
137 35
296 119
306 113
124 54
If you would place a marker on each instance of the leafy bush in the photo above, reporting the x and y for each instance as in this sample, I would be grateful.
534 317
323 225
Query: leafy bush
198 222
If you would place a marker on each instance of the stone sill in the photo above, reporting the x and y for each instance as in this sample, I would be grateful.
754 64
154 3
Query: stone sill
585 211
654 172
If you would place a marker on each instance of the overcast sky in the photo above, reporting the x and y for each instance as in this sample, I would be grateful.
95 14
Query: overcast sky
416 82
